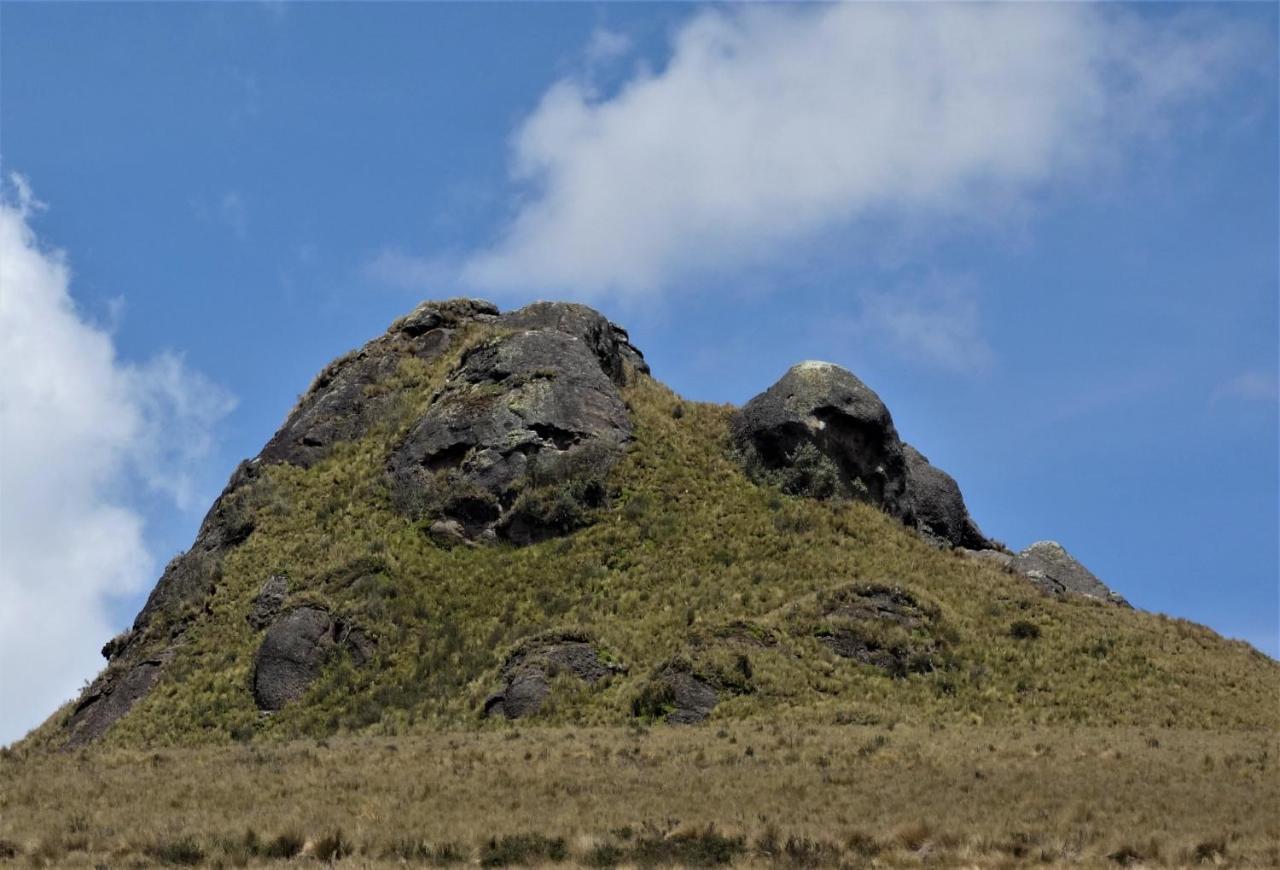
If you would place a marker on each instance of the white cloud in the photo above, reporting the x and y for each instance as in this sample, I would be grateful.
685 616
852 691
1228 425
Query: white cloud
770 124
606 46
77 427
935 322
1254 385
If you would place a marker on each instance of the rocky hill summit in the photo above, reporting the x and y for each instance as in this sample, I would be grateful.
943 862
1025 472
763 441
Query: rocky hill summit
483 515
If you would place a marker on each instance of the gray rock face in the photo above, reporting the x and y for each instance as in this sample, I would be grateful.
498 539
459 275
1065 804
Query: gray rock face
137 656
339 405
267 603
678 695
533 407
109 697
821 432
528 672
824 433
1049 566
936 506
608 341
296 648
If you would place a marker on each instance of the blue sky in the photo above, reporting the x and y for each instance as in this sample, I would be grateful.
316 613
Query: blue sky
1046 235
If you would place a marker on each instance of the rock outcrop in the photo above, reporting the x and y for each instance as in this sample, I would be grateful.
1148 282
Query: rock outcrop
270 598
1049 566
677 694
1052 570
296 648
520 439
821 432
344 402
879 625
935 505
528 671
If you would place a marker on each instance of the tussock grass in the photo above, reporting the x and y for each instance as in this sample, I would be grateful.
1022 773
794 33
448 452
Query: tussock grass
684 545
748 793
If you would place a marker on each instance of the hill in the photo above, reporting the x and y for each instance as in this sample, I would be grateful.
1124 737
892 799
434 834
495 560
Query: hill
480 517
474 501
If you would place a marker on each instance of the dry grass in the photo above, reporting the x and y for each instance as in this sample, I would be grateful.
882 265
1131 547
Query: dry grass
753 793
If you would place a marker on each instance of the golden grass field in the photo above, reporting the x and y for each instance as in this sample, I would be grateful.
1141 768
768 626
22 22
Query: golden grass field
749 793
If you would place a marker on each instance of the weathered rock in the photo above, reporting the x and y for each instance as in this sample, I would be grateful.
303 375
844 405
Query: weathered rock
267 603
341 406
432 315
138 655
608 341
936 506
821 432
529 670
189 578
878 625
110 696
678 694
1049 566
532 408
296 648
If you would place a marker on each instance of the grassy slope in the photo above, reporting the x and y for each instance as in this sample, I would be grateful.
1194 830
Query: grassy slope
687 544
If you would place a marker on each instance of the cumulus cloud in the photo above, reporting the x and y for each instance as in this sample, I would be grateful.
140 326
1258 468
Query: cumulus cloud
78 428
770 124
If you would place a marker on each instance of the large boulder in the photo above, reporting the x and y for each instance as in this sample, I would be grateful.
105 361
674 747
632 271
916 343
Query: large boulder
821 432
528 411
677 693
295 650
528 671
1050 567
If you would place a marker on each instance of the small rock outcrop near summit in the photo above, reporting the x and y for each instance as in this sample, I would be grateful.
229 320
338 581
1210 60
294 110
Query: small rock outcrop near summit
537 409
1052 570
528 672
821 432
344 402
1048 565
295 649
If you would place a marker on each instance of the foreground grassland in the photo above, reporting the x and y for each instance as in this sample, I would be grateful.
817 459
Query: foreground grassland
746 793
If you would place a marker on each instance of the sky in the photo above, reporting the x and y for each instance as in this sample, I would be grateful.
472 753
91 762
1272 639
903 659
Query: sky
1046 235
